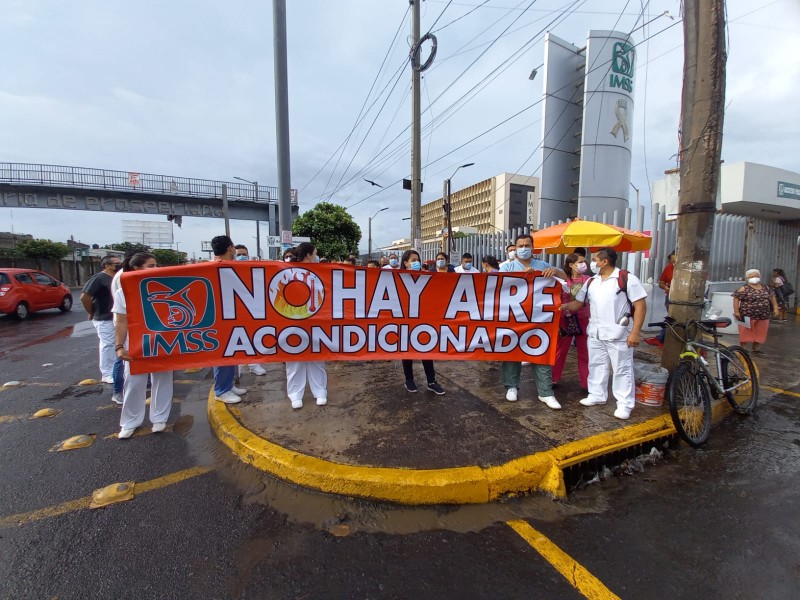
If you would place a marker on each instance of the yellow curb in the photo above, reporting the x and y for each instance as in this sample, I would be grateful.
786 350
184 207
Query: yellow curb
542 471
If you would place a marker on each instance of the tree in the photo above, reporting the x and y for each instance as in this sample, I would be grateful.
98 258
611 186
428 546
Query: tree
331 229
167 258
42 249
129 248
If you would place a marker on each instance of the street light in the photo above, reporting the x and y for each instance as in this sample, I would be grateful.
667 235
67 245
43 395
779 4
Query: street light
258 223
446 196
637 201
369 227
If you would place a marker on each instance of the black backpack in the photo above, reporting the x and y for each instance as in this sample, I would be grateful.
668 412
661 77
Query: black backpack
786 289
623 288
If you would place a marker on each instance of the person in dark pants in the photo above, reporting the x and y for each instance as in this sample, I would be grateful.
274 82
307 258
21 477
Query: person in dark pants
412 262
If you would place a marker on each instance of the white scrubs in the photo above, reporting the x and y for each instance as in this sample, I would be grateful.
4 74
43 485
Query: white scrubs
134 391
300 373
607 341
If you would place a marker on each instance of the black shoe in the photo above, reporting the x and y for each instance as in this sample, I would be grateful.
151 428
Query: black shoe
436 389
411 386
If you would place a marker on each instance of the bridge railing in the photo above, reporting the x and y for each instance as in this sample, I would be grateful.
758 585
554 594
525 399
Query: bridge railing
130 181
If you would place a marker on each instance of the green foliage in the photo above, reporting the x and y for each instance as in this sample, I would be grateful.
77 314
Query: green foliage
42 249
331 229
459 234
10 253
129 248
167 258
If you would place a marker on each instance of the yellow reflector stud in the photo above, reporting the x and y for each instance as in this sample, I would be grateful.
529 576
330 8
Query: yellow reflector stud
75 443
148 401
45 412
111 494
88 382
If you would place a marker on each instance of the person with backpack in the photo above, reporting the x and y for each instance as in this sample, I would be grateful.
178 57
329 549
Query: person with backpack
783 289
617 305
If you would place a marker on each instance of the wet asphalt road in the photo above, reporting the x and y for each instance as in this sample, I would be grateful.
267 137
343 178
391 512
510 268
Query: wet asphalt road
718 523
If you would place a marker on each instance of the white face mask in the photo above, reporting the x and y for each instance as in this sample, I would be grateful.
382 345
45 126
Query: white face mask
512 255
754 280
593 266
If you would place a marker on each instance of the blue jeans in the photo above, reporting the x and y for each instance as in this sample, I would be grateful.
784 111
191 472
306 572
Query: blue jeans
119 375
223 379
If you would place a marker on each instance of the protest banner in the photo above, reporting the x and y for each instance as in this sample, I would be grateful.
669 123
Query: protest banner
229 313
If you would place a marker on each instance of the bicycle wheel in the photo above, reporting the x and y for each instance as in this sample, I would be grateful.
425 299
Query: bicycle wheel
690 403
739 372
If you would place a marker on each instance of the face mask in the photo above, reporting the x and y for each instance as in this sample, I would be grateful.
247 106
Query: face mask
468 266
581 267
416 265
393 262
287 259
754 280
117 267
315 258
593 265
441 263
242 257
512 255
524 253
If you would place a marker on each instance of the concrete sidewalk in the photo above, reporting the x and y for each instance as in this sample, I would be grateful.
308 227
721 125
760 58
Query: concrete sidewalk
375 439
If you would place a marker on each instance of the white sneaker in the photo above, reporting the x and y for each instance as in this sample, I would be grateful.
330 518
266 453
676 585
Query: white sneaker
322 401
297 403
124 434
107 379
623 413
511 394
589 401
257 370
228 398
524 363
159 427
116 398
551 402
238 391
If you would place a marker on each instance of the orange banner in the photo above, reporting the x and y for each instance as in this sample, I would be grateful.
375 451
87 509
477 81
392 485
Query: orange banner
231 313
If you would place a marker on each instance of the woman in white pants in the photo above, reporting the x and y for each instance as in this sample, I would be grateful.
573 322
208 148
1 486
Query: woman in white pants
313 373
135 388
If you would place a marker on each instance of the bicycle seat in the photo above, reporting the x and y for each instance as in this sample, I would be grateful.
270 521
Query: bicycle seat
713 323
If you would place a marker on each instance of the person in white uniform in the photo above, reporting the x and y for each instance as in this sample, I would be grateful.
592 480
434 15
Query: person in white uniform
466 265
313 373
613 331
135 388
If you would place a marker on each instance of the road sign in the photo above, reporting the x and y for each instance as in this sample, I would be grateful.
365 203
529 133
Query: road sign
286 237
133 178
273 241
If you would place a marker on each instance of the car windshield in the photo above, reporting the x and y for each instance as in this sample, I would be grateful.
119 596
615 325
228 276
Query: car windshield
4 279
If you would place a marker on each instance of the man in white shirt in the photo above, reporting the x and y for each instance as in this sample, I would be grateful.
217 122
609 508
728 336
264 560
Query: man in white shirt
511 254
614 330
543 374
466 264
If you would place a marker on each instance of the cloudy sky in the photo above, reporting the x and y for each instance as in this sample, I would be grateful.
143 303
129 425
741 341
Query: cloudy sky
185 88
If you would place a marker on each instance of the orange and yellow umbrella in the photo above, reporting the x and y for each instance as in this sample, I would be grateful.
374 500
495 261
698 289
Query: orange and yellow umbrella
564 238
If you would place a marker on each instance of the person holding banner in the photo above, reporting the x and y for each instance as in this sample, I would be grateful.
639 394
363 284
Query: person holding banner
312 372
135 388
442 264
224 377
617 314
412 262
573 326
543 374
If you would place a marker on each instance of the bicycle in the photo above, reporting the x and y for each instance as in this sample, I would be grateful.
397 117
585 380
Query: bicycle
691 384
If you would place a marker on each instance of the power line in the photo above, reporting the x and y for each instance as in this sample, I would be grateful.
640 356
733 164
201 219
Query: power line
461 17
440 15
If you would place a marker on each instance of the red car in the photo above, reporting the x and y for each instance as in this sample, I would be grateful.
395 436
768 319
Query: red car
23 291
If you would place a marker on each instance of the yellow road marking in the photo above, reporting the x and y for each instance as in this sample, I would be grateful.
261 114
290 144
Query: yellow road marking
575 573
83 503
9 418
780 391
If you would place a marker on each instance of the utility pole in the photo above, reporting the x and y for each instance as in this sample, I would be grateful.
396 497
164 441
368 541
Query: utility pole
416 146
282 115
703 102
446 225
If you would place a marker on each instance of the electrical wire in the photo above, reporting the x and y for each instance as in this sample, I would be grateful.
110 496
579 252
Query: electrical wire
459 18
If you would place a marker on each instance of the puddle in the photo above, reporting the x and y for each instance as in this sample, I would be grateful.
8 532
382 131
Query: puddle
61 333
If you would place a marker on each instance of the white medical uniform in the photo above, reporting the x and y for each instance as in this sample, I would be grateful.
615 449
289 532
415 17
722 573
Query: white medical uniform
607 340
311 372
135 390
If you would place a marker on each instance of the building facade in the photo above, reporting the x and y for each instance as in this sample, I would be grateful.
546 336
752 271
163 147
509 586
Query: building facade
496 204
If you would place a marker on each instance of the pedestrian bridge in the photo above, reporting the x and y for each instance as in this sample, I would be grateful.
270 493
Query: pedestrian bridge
26 185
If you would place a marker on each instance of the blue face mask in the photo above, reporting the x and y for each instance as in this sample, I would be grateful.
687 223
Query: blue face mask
416 265
467 266
393 262
441 263
524 253
242 257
